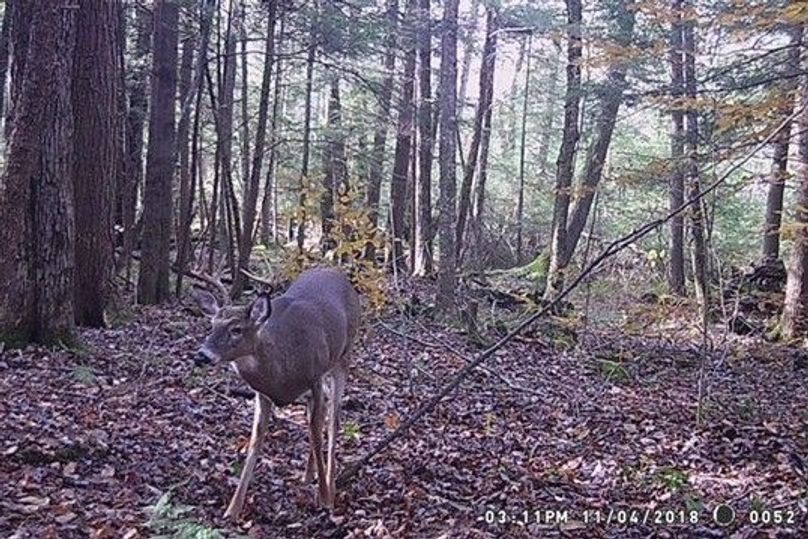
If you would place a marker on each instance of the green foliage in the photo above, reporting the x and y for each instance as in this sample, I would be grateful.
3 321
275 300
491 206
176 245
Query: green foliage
673 479
613 371
351 431
171 520
84 375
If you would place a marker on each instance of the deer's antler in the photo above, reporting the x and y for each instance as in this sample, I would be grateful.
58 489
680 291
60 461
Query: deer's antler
253 277
213 282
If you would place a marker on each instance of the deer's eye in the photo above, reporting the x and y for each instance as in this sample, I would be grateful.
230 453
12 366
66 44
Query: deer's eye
235 332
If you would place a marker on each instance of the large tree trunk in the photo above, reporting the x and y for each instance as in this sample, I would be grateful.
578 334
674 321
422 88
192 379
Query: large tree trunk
383 115
398 186
182 225
795 310
447 278
21 13
676 271
483 106
699 252
153 279
422 263
779 170
135 123
254 184
566 155
4 56
610 99
36 201
94 93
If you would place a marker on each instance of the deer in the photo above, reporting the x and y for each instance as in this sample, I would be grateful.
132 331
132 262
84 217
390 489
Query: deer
286 348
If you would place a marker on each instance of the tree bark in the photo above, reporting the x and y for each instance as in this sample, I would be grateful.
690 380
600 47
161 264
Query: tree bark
304 167
269 202
383 115
422 263
36 197
398 186
465 68
520 198
335 170
795 309
699 251
182 224
94 95
611 97
483 106
153 279
254 184
447 278
676 271
135 123
4 56
779 170
566 155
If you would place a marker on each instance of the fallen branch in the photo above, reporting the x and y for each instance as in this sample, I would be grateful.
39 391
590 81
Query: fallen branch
613 248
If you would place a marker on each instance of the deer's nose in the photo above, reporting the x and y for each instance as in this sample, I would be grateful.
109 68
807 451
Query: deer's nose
203 357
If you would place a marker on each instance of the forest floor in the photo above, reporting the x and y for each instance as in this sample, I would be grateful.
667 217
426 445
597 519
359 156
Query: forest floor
124 437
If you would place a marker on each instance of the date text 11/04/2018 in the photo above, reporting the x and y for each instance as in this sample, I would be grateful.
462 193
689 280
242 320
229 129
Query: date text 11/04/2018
594 516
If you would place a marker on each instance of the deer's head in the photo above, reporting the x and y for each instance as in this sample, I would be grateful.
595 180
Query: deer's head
235 329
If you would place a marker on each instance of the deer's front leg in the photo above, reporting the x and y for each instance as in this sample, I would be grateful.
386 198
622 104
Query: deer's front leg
259 428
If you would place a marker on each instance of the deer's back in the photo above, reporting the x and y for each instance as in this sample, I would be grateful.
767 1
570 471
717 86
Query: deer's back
324 298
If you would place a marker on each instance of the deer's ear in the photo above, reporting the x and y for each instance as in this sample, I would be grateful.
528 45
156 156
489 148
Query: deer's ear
207 302
260 309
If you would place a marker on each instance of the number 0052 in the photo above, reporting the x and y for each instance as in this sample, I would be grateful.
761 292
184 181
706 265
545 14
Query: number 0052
771 516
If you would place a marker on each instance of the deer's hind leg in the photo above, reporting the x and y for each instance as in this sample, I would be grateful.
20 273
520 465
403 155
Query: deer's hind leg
338 378
316 421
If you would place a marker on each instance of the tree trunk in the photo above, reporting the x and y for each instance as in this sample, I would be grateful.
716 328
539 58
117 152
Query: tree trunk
36 194
779 170
245 119
699 253
269 202
676 271
422 261
153 279
447 278
566 155
4 56
483 106
547 121
795 309
135 123
520 198
225 140
304 167
94 93
254 184
330 165
383 115
21 13
467 50
610 99
182 225
398 186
